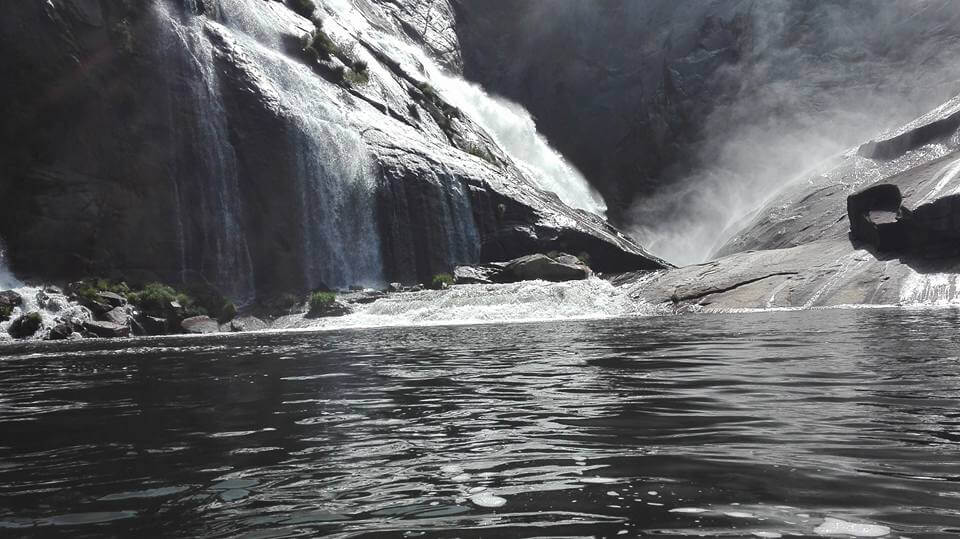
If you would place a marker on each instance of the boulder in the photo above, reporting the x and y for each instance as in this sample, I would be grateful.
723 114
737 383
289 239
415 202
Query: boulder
540 266
118 316
250 323
479 274
877 217
25 326
153 325
112 299
395 287
200 325
60 332
106 330
8 300
328 310
235 326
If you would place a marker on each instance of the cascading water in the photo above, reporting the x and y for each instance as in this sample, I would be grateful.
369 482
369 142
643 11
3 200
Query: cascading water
509 124
341 242
515 131
7 280
209 164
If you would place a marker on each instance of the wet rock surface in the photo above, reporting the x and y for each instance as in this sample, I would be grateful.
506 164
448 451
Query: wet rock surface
200 325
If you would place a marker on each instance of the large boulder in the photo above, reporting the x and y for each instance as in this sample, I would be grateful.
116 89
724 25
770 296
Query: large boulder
117 315
329 310
543 267
8 300
25 326
875 215
106 330
60 332
200 325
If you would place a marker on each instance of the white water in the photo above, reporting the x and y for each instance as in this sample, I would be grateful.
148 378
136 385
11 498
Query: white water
510 125
211 173
7 279
477 304
515 131
930 289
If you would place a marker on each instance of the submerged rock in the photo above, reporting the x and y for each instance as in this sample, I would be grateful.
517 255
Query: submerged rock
25 326
200 325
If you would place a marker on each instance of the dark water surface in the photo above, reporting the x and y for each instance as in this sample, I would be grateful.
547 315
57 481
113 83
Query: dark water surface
762 424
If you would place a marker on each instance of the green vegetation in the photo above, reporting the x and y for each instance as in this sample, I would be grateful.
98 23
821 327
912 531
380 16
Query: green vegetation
5 312
441 281
304 8
155 298
359 66
584 259
357 78
90 289
319 45
321 300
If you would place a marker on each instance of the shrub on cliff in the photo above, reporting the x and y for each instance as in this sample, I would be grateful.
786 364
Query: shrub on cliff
441 281
156 298
304 8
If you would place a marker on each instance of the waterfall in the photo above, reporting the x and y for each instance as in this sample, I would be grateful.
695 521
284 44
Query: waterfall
340 237
206 169
7 280
513 129
510 125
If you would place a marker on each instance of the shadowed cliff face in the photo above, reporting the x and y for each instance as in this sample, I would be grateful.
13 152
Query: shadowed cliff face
196 140
688 115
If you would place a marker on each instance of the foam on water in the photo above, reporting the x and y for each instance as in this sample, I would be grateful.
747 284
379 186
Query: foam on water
7 279
835 526
474 304
930 289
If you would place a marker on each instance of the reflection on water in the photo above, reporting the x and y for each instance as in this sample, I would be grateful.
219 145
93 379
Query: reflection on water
823 422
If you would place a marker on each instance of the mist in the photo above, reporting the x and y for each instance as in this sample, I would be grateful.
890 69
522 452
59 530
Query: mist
812 83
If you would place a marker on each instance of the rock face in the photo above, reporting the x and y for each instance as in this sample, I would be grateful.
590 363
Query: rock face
643 94
197 138
877 230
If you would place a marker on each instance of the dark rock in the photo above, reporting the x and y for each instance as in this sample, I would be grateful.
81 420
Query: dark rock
118 316
11 298
25 326
53 289
153 325
540 266
200 325
8 301
875 217
479 274
60 332
236 326
112 299
328 310
106 330
362 298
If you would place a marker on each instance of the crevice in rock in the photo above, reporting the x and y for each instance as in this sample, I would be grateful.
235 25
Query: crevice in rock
677 299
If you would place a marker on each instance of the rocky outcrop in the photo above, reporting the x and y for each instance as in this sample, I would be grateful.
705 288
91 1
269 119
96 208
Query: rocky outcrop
174 141
106 330
25 326
861 231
